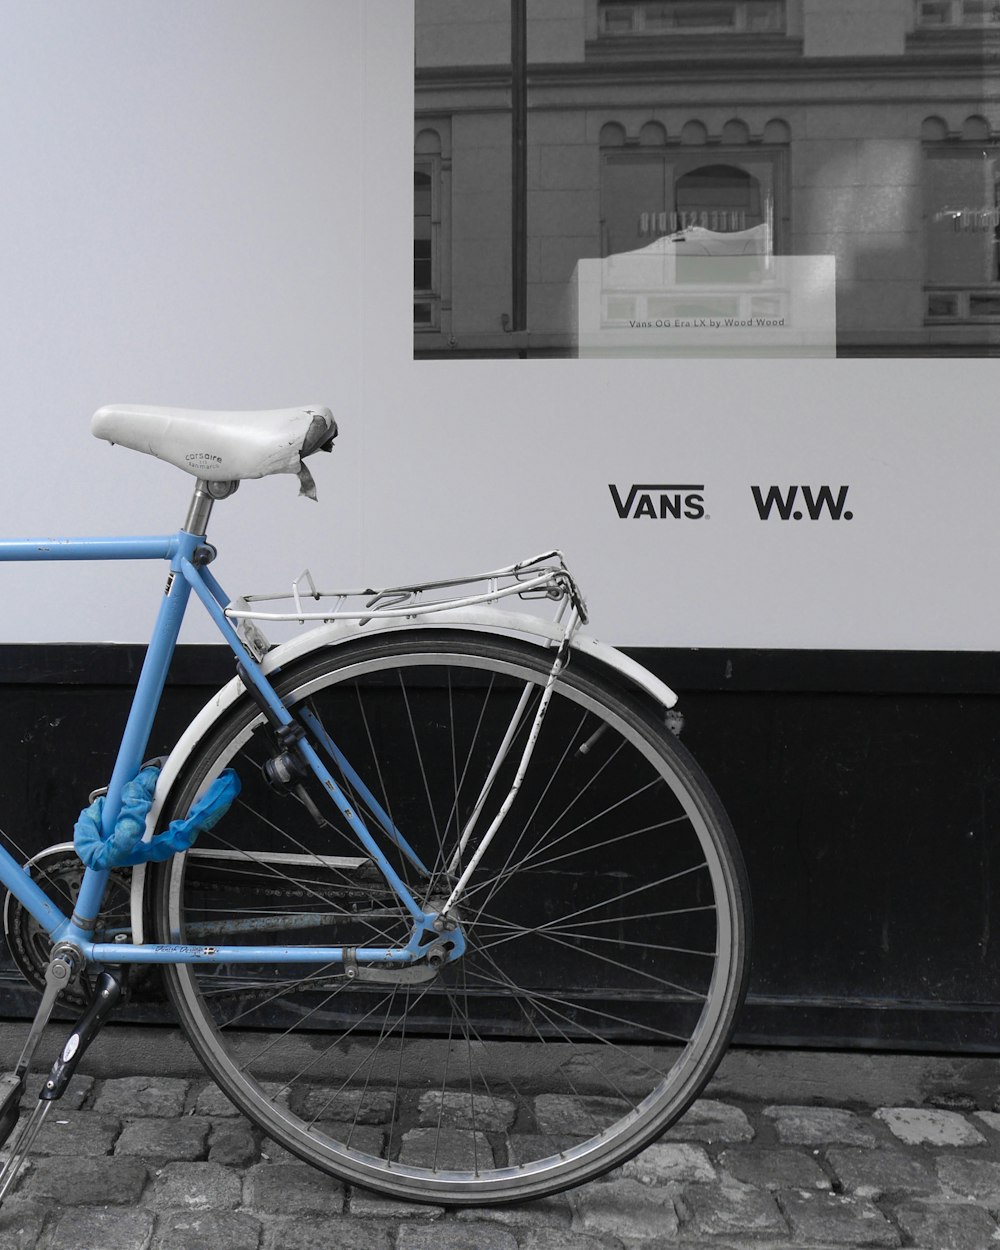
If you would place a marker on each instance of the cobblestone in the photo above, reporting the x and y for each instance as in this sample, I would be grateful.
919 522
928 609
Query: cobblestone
293 1189
233 1143
553 1212
625 1209
211 1101
110 1230
872 1173
195 1187
482 1236
66 1132
818 1126
948 1227
977 1179
368 1138
733 1174
711 1121
451 1148
547 1239
99 1181
20 1225
837 1220
773 1169
142 1095
921 1126
568 1113
664 1162
330 1234
374 1206
208 1230
361 1106
485 1114
732 1211
161 1139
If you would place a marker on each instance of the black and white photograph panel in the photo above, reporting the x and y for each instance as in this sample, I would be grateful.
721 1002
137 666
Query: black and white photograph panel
706 177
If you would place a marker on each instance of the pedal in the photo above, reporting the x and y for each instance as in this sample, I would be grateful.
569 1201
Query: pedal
11 1091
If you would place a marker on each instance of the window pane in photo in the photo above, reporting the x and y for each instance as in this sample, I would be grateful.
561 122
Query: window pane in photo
421 264
984 305
942 304
705 16
422 261
618 19
981 12
722 198
764 15
934 12
658 17
963 216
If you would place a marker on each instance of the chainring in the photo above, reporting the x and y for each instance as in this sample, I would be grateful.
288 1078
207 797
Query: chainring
59 872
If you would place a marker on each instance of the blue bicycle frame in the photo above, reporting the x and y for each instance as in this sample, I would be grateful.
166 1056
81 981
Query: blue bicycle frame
188 555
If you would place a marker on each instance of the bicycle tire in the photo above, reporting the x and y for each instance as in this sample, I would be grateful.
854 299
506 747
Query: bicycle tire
592 1004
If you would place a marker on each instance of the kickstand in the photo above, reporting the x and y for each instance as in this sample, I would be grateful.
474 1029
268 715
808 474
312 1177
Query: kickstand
107 994
58 975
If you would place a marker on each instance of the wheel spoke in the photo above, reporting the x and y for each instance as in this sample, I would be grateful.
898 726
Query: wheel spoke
602 962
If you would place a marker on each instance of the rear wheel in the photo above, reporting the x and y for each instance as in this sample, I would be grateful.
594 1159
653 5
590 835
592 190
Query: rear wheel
605 926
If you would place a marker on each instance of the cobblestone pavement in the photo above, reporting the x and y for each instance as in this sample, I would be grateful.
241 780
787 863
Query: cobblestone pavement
164 1163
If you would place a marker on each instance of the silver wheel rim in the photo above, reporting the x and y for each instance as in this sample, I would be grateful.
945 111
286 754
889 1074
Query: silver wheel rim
573 1163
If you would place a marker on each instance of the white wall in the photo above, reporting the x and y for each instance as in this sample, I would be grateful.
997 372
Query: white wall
179 218
210 205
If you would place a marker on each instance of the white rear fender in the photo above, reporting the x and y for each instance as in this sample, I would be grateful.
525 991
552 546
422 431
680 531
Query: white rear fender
484 619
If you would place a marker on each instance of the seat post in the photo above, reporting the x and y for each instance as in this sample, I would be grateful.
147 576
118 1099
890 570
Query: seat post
205 495
200 509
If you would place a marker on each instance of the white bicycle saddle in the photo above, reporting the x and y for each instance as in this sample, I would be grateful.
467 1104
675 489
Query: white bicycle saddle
222 446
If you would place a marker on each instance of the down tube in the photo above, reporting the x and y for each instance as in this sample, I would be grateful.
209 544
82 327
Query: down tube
55 550
135 740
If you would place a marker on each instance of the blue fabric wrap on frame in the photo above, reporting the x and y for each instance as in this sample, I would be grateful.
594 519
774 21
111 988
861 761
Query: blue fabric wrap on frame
125 847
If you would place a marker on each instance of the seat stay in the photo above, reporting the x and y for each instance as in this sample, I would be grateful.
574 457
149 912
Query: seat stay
354 780
265 692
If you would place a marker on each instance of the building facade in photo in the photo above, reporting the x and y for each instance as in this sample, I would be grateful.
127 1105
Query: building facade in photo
554 132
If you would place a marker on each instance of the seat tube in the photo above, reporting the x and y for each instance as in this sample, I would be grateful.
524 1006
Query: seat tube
135 738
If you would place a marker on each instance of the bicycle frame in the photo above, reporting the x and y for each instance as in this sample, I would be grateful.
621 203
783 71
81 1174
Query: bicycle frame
188 555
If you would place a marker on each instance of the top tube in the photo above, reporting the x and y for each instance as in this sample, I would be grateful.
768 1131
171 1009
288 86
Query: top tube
128 547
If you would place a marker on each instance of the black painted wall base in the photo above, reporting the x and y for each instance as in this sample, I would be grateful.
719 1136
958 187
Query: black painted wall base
864 787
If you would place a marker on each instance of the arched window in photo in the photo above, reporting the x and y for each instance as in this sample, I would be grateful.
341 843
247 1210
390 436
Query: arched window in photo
648 193
431 166
721 198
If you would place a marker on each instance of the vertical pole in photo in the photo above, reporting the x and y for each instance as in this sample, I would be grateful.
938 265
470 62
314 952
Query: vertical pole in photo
519 168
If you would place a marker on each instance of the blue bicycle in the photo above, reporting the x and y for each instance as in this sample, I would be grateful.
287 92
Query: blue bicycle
391 870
